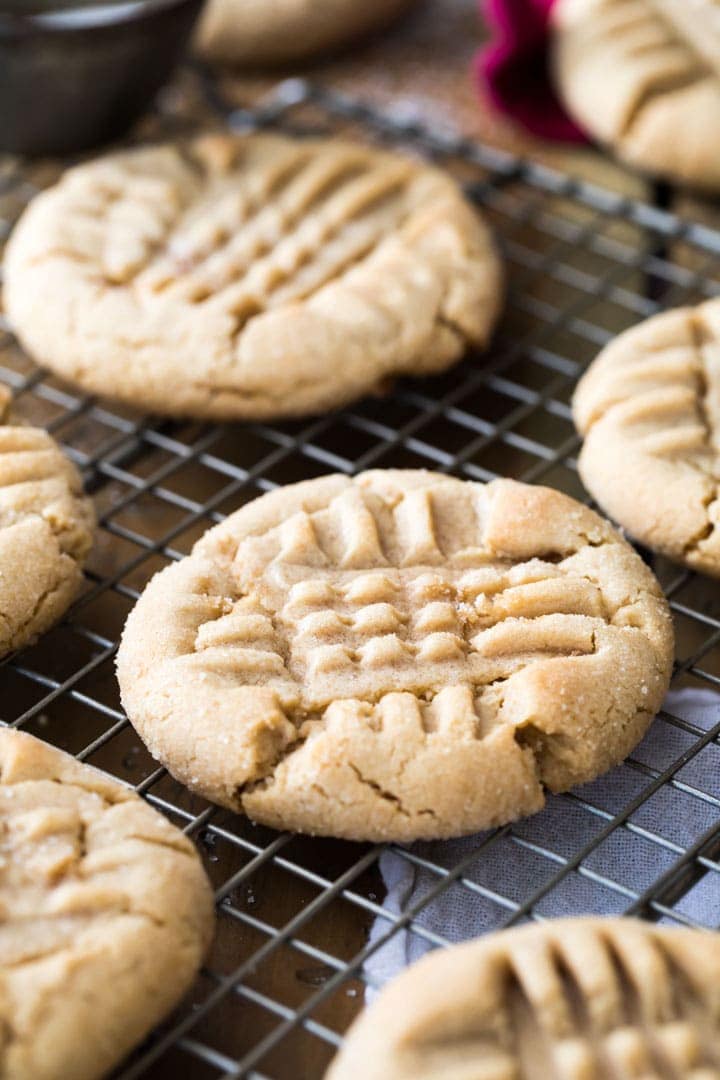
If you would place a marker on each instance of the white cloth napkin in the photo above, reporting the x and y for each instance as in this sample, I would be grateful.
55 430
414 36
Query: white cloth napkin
506 864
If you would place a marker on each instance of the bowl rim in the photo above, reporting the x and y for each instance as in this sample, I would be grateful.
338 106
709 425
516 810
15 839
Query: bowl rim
19 24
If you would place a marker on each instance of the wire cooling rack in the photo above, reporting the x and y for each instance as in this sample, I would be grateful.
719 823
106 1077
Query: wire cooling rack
301 920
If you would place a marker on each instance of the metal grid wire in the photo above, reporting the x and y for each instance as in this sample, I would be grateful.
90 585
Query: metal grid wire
288 970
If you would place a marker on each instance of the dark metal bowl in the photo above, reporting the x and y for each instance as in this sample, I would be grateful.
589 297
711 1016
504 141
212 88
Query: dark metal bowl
75 74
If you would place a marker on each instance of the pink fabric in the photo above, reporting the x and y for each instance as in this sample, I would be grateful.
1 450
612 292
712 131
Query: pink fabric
513 69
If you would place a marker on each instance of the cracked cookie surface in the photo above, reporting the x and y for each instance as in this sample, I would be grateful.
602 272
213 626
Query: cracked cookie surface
250 276
106 915
649 411
660 111
46 530
397 656
568 999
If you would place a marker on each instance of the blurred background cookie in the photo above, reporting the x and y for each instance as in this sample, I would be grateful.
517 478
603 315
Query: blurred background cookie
643 77
272 32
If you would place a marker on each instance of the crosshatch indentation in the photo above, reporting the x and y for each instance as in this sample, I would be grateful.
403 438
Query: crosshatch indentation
300 920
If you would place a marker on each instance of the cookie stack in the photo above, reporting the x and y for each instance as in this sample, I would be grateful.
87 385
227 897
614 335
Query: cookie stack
394 656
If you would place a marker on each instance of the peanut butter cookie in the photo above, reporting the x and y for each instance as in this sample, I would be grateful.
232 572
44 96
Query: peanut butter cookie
255 276
106 915
46 529
397 656
649 410
643 76
256 33
568 999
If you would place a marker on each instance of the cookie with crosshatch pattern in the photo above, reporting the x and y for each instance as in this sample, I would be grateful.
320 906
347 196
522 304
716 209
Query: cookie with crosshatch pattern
649 411
250 276
106 915
46 530
397 656
643 77
567 999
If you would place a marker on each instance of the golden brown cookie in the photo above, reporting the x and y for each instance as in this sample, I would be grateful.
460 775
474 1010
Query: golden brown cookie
46 529
568 999
106 915
255 276
256 33
649 411
397 656
643 76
